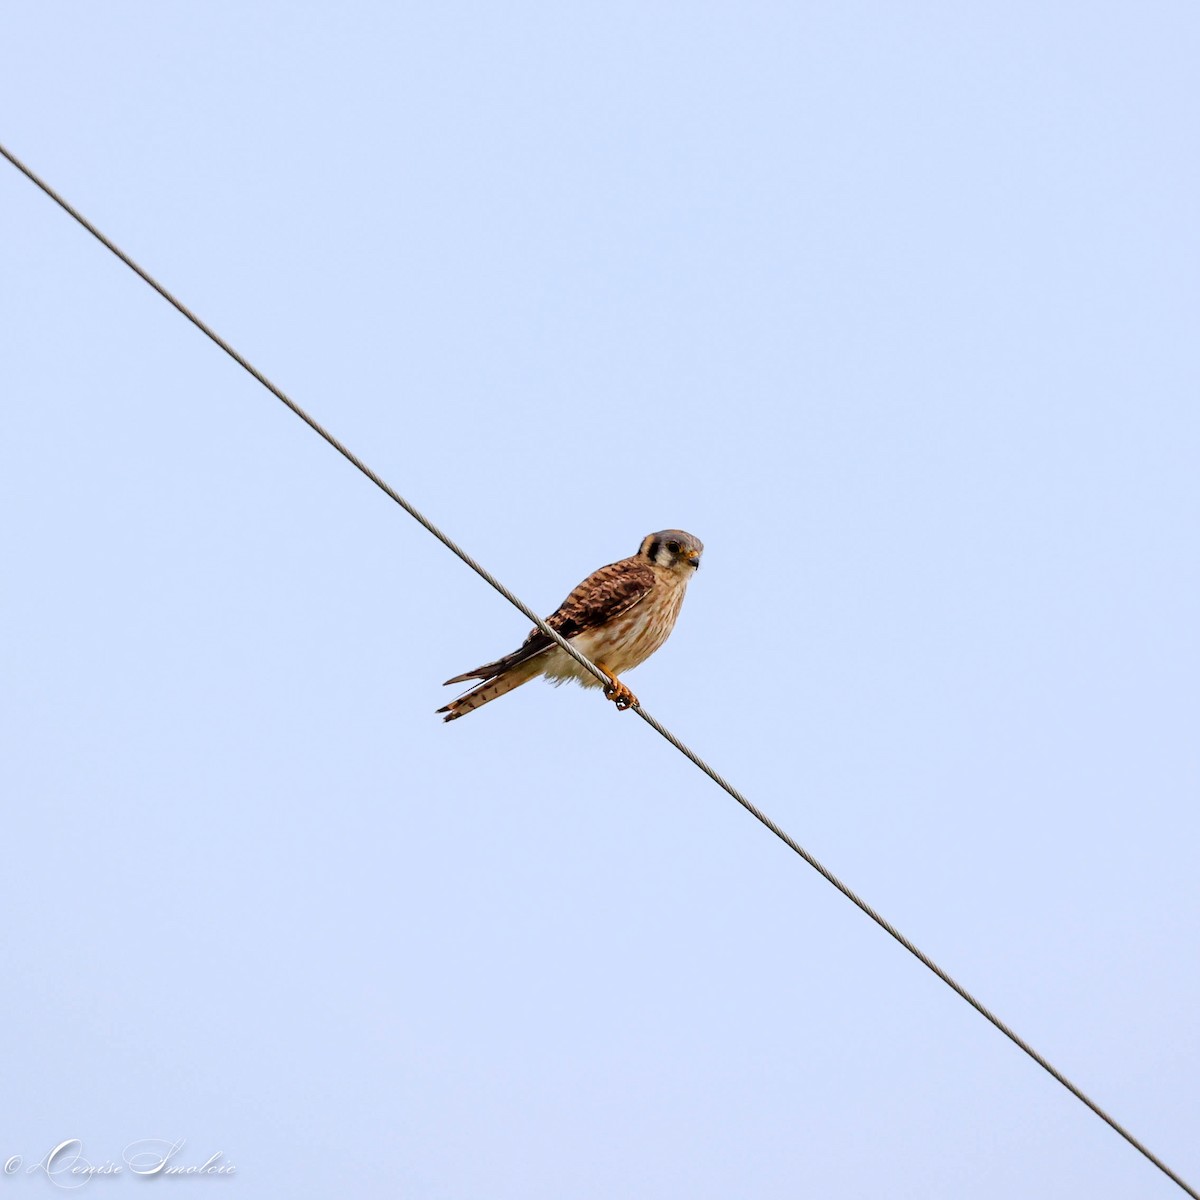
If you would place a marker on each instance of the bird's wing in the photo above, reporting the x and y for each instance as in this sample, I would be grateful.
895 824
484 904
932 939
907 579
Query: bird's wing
602 597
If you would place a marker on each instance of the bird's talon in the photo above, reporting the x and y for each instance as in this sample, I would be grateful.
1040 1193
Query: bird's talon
620 695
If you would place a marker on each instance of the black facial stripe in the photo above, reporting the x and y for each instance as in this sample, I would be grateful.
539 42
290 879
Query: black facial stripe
652 550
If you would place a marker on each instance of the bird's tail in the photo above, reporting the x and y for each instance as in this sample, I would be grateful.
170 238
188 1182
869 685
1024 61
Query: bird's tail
477 697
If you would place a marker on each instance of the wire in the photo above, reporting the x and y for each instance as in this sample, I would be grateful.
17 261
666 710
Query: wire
654 724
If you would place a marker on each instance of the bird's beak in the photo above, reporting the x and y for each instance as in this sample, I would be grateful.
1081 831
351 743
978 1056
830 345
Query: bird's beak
694 559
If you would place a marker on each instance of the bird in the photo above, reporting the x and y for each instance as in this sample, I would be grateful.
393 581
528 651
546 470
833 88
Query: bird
617 617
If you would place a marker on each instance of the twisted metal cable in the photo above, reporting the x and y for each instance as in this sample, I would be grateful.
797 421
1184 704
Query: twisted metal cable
586 663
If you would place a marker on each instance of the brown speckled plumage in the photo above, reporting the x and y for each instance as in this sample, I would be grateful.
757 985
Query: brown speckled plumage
617 617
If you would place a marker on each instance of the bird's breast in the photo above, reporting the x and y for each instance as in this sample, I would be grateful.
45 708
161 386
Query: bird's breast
632 637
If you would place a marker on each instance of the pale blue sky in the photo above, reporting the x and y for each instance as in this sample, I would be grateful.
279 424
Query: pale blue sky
894 306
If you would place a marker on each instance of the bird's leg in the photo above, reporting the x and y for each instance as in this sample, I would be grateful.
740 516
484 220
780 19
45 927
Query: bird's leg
617 692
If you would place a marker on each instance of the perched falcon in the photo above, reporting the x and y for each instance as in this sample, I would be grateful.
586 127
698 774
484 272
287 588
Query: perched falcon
618 616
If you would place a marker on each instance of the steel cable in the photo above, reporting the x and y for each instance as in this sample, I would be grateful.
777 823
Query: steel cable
657 726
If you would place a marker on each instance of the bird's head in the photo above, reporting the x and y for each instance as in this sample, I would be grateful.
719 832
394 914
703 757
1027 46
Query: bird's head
673 549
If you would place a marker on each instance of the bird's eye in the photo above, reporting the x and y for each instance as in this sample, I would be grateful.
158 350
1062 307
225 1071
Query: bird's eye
673 547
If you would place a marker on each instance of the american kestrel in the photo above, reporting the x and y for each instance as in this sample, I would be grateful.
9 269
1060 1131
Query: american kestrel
618 616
